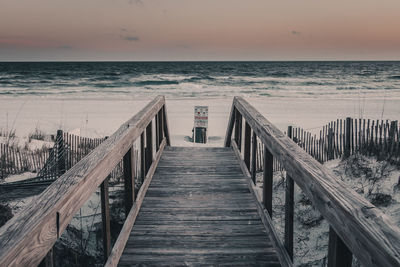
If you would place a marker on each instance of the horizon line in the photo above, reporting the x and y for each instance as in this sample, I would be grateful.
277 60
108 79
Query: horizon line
178 61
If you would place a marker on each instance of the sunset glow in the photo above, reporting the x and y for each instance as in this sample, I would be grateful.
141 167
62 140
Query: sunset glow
199 30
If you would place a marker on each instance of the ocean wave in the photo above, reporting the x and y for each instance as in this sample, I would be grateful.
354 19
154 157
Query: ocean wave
193 79
347 88
310 83
155 82
279 74
199 78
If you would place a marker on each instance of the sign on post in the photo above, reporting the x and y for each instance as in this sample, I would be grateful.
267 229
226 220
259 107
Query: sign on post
200 124
201 116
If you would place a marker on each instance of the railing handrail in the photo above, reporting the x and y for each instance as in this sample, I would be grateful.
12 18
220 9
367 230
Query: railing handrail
28 236
369 234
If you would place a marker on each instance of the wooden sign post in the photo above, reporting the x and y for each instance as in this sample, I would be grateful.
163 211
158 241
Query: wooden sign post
200 124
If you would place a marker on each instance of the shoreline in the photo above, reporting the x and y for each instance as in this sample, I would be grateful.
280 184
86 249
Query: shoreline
101 117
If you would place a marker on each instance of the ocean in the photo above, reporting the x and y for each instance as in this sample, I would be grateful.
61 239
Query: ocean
119 80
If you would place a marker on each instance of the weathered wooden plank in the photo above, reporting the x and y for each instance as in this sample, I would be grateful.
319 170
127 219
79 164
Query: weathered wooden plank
371 235
212 214
29 235
232 259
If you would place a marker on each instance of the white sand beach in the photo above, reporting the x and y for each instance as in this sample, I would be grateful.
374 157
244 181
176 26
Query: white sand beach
101 117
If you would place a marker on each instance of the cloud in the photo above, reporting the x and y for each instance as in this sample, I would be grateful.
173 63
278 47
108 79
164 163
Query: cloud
130 38
296 33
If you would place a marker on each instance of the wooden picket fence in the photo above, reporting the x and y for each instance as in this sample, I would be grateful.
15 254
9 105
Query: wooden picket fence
49 164
260 159
68 150
345 137
14 160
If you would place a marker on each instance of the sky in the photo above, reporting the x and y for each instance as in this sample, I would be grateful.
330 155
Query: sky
175 30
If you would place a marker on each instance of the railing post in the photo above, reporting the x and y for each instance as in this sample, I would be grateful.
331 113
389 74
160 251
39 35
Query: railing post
247 143
165 122
229 130
160 127
347 136
338 253
142 159
253 158
105 217
238 129
60 153
268 177
149 146
129 180
157 125
289 209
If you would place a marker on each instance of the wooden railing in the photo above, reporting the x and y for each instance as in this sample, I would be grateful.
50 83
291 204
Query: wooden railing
356 226
30 235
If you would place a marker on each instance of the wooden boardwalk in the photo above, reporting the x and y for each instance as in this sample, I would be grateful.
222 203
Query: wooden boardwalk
199 210
198 206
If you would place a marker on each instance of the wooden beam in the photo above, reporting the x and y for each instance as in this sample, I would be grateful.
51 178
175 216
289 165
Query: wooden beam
27 237
253 158
338 253
371 235
166 130
160 127
157 125
247 144
129 180
119 245
229 129
289 209
289 215
149 146
105 219
268 175
238 129
142 158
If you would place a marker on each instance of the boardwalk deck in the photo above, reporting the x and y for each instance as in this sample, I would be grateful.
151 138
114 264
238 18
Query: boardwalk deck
198 210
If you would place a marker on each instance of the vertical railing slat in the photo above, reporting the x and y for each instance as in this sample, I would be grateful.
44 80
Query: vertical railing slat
247 144
129 180
254 158
289 210
105 218
338 253
267 180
